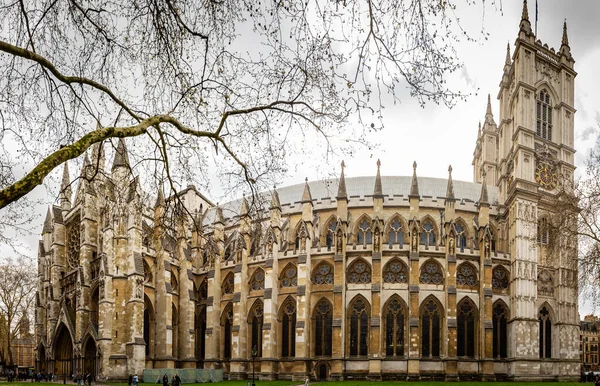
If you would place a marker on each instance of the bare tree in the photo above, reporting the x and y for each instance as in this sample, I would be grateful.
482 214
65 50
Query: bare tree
228 86
17 294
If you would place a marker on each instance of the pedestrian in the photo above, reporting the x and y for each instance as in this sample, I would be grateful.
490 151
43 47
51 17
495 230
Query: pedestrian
135 380
165 380
130 380
307 381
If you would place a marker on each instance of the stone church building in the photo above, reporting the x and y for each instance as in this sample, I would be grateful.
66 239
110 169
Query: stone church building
382 277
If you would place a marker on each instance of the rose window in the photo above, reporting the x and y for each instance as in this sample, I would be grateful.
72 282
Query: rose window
431 273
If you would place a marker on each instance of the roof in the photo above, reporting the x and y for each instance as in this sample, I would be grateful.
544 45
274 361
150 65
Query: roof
362 187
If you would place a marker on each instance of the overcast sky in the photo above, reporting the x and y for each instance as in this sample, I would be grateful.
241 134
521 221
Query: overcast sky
436 136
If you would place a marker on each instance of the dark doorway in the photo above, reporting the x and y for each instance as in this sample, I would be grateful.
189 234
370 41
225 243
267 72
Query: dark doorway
89 360
322 372
63 351
42 362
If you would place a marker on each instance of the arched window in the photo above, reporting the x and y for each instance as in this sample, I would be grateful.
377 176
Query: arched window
395 272
545 284
256 321
257 281
466 276
395 322
289 277
330 236
543 231
428 234
430 329
147 273
174 283
396 233
228 284
500 278
431 273
544 115
364 234
466 326
461 237
359 327
288 329
323 328
359 272
499 325
545 333
227 323
323 273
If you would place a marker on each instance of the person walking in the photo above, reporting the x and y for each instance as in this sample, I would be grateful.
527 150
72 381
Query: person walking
135 380
165 380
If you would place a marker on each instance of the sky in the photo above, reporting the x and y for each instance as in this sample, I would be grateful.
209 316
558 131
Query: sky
436 136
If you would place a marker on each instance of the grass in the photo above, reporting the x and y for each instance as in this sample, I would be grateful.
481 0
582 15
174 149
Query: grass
337 383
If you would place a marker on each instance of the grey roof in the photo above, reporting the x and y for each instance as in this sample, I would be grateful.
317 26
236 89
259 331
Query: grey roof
361 187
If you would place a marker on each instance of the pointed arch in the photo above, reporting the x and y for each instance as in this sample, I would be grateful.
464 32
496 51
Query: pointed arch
545 320
323 273
500 279
461 234
431 273
323 327
289 276
395 231
328 231
149 326
228 285
301 234
257 280
255 321
200 332
363 230
202 291
466 332
287 318
63 351
500 317
90 356
358 317
429 231
148 275
431 313
230 246
467 276
226 330
395 271
359 272
395 317
175 335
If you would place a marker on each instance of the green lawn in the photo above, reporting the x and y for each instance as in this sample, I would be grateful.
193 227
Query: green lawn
344 383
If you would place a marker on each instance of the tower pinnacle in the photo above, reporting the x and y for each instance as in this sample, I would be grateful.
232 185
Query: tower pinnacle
342 187
450 189
121 156
378 191
414 186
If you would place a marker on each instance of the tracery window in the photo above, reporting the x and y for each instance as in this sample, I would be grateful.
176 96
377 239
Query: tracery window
330 234
396 233
228 284
359 272
74 242
431 273
461 237
395 317
147 273
257 281
499 332
364 234
467 276
359 327
428 234
545 284
544 115
227 323
545 330
430 329
466 321
395 272
499 278
174 283
543 231
288 329
323 328
202 294
323 273
256 322
289 277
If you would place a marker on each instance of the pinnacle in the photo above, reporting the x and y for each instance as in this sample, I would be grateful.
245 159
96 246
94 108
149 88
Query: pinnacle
65 186
342 187
565 38
160 199
525 13
121 155
244 208
275 204
414 187
47 223
450 189
306 197
378 191
219 215
484 192
508 59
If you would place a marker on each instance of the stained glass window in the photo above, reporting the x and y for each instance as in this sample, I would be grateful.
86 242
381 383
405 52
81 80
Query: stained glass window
544 115
431 273
359 272
364 234
227 322
394 328
395 272
466 321
288 329
330 234
545 330
461 238
290 276
257 281
228 284
396 233
428 234
323 328
466 276
430 329
359 327
323 273
256 315
499 278
499 323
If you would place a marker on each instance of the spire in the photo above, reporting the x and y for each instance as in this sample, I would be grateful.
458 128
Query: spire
565 38
275 204
378 191
483 200
244 208
48 223
450 189
160 199
508 59
525 25
414 187
121 156
525 13
342 187
306 197
98 158
489 116
66 192
219 215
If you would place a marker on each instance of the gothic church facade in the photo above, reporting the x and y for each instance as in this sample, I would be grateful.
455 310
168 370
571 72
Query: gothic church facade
366 277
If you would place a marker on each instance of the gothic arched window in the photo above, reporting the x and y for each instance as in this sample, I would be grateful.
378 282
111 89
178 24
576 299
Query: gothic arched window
431 273
545 330
428 234
499 325
544 115
227 323
288 329
466 326
430 329
395 272
396 233
359 272
228 284
330 236
359 327
256 321
364 234
289 277
543 231
500 278
395 322
466 276
323 328
323 273
461 237
257 281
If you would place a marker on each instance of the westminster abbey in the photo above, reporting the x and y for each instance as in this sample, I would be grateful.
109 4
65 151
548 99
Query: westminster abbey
382 277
